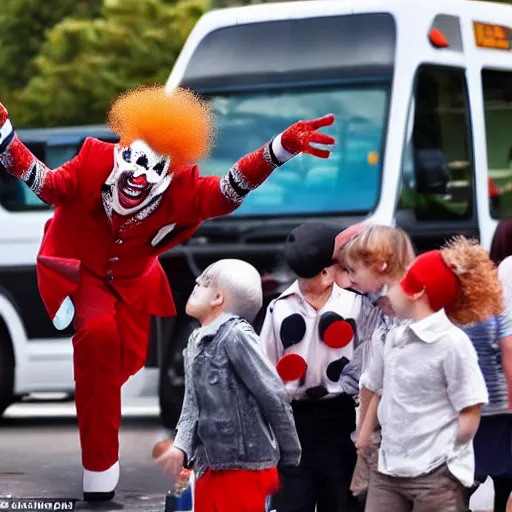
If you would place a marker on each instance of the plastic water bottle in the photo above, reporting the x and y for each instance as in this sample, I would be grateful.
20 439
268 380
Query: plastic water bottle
180 502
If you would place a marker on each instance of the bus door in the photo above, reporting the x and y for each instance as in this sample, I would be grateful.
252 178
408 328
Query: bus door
436 192
491 33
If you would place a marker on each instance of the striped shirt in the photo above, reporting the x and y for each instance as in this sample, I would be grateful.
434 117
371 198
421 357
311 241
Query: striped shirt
485 337
376 346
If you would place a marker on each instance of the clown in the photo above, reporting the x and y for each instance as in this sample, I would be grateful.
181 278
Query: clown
117 208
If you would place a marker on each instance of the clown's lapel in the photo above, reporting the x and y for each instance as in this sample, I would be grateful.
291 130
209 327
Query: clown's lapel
106 198
136 219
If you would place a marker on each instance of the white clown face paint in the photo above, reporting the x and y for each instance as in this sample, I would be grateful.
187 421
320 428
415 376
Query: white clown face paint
139 175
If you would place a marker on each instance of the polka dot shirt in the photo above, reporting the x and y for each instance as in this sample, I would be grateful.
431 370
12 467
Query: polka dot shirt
319 353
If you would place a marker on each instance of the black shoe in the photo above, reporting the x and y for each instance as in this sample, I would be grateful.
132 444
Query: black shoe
99 496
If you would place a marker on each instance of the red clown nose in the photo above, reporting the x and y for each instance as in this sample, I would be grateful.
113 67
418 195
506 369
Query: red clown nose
141 180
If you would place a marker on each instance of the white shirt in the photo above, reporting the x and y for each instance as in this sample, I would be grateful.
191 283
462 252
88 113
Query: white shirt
330 371
505 275
427 374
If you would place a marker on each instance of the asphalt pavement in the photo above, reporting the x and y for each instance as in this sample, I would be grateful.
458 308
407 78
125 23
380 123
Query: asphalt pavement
40 456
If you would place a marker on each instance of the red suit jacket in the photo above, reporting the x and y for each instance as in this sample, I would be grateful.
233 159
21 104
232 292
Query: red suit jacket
81 234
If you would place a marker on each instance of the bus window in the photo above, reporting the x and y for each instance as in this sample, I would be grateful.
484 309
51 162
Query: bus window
15 195
59 154
348 182
497 92
437 168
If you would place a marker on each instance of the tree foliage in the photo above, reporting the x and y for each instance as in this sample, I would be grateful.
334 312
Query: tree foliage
63 61
218 4
84 62
23 24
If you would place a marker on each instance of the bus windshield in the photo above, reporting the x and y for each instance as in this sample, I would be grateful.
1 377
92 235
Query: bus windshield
346 183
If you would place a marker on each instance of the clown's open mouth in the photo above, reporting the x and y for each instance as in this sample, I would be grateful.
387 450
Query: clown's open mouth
132 190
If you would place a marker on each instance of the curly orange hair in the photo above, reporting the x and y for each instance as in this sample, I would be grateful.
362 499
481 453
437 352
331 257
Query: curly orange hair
177 124
480 293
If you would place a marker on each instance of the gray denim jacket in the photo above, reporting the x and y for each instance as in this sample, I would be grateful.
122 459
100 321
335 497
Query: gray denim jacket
235 413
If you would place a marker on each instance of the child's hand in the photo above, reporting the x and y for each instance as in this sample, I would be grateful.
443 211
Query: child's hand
368 426
469 420
183 482
362 441
172 461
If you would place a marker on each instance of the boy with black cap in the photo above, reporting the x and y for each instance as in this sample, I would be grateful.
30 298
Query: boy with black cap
314 334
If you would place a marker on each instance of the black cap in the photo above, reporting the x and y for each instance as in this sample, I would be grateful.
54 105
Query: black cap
310 247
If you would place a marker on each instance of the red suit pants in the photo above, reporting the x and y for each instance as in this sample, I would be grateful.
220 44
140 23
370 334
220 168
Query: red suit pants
110 345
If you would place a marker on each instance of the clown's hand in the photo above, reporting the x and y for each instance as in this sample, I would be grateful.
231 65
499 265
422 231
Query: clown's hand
299 137
3 115
5 124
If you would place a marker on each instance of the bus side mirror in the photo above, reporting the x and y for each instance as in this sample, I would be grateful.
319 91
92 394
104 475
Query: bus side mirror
431 171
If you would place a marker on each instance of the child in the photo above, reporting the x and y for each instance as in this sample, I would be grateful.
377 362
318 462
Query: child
375 260
314 334
492 339
429 386
236 424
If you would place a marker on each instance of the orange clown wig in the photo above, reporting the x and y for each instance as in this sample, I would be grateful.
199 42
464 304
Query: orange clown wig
177 124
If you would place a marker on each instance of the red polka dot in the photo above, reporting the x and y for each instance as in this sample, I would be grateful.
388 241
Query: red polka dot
291 367
338 334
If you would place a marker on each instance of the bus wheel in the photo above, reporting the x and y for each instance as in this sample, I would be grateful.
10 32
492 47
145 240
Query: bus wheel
6 370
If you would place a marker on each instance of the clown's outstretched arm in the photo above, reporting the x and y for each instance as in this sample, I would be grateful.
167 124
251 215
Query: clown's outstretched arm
219 196
51 186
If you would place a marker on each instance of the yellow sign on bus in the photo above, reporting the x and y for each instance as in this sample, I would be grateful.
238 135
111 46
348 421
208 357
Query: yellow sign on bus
488 35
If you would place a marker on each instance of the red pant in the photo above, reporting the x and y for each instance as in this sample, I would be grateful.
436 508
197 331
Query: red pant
110 344
235 490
